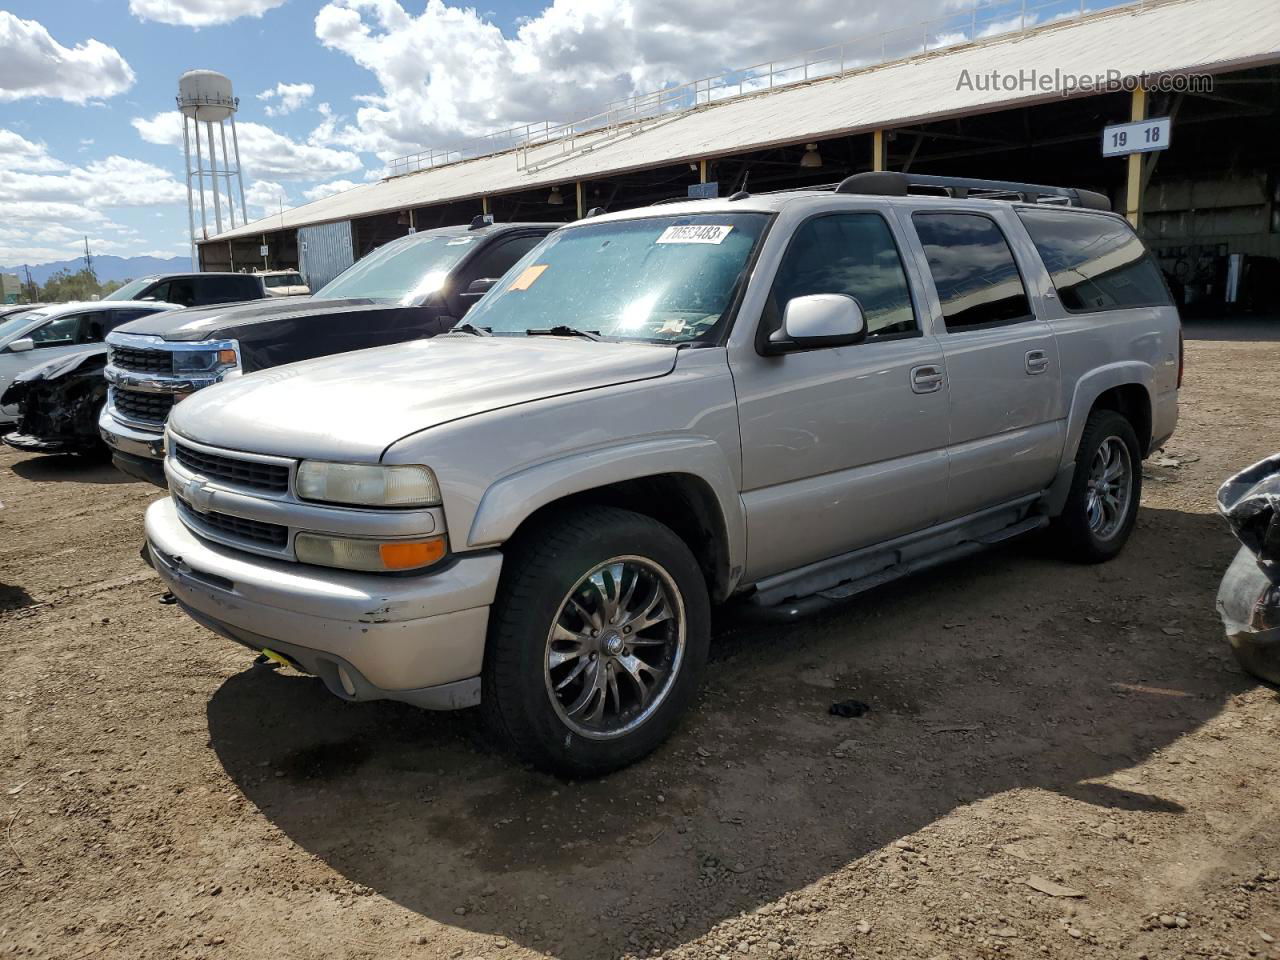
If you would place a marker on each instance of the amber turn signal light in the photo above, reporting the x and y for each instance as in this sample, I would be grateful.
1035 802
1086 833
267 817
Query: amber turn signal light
402 555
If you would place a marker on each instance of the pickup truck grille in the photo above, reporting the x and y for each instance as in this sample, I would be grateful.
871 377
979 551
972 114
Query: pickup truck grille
142 361
253 532
146 407
270 477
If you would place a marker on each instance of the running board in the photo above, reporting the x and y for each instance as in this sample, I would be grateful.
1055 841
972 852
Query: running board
843 577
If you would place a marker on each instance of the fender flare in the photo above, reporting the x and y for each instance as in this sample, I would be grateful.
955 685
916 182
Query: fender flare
1093 385
511 500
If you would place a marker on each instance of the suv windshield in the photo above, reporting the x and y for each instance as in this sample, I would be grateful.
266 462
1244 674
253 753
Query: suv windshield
669 279
282 280
130 289
405 270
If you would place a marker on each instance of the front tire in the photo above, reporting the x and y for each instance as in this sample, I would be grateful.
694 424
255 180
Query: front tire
597 640
1102 505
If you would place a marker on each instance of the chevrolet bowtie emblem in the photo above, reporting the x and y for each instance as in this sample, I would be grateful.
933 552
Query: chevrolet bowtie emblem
197 494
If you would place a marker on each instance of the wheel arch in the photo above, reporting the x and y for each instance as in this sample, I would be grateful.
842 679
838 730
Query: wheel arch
684 483
1125 387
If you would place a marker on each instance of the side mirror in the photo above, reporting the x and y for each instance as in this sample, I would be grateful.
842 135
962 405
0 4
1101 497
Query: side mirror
22 346
480 287
818 320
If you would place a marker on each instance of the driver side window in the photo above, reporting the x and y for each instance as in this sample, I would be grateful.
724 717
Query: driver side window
62 332
849 253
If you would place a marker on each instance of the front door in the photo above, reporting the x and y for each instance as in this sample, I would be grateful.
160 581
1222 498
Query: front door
842 447
1002 364
52 339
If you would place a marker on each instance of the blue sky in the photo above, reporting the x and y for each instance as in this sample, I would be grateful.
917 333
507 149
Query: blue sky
90 139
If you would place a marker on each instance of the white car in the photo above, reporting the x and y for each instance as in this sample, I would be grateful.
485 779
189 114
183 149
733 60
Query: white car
284 283
44 333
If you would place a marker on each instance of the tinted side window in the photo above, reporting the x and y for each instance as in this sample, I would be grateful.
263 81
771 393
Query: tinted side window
500 257
1095 262
181 292
973 270
62 332
158 292
225 289
849 253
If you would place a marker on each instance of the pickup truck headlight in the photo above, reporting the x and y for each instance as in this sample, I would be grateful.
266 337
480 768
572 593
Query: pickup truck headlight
214 360
367 484
376 556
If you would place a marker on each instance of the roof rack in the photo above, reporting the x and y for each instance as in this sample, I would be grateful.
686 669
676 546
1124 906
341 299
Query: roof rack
889 183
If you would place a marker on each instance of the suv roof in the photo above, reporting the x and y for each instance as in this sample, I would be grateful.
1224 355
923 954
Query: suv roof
885 186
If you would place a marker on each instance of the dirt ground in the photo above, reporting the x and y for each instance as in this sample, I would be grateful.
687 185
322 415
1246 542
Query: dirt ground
1083 727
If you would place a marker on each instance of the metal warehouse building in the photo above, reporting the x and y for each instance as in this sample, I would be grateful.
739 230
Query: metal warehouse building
1012 91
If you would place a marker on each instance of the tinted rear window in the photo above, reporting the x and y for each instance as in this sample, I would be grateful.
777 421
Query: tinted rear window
973 270
1095 262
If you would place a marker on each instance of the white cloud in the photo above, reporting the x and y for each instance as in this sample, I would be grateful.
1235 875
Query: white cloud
114 182
199 13
288 96
263 151
447 74
33 64
48 206
19 153
265 197
322 190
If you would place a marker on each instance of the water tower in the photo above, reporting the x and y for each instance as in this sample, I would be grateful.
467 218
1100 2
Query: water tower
205 97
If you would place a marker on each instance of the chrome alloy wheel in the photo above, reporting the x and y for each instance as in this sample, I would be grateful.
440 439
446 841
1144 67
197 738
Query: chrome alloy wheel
1109 488
615 647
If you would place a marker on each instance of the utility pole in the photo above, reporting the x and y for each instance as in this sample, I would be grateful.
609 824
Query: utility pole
88 258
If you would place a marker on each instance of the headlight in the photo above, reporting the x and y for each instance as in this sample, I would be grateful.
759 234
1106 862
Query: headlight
371 485
213 360
378 556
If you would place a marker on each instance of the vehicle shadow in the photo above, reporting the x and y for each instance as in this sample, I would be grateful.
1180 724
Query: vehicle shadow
13 597
67 468
1011 671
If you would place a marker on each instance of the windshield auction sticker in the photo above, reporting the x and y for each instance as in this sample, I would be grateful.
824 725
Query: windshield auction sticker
694 233
528 276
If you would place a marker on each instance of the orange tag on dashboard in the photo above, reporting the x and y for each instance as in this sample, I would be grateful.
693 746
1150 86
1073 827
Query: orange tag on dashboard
528 276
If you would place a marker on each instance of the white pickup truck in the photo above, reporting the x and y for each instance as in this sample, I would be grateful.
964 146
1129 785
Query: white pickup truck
777 397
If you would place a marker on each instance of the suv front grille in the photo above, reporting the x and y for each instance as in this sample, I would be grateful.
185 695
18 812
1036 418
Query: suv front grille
237 528
141 360
246 473
146 407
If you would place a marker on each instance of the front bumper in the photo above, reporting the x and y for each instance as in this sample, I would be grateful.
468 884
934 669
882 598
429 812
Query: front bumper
417 639
135 451
31 444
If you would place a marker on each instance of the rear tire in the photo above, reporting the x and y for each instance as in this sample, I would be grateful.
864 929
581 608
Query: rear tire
597 642
1102 505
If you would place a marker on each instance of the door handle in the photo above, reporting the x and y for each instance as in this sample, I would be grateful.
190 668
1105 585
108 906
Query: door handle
926 379
1037 361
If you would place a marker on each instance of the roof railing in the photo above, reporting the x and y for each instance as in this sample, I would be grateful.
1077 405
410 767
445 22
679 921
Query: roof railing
982 20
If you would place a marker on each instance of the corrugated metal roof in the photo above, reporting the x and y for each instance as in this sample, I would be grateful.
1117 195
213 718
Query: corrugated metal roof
1157 38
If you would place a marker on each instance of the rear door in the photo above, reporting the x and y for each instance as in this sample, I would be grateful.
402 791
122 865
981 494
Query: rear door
1002 369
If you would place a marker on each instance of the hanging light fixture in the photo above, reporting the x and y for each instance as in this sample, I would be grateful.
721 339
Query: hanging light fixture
812 159
554 198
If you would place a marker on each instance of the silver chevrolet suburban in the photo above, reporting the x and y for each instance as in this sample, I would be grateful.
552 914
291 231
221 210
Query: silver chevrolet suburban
787 398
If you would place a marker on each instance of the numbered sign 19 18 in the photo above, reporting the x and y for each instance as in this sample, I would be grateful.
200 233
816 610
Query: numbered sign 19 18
1141 136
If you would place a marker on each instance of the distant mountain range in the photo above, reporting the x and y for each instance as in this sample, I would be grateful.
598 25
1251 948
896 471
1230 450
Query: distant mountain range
106 267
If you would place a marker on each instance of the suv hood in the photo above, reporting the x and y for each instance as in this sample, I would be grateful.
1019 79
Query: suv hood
355 405
221 320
